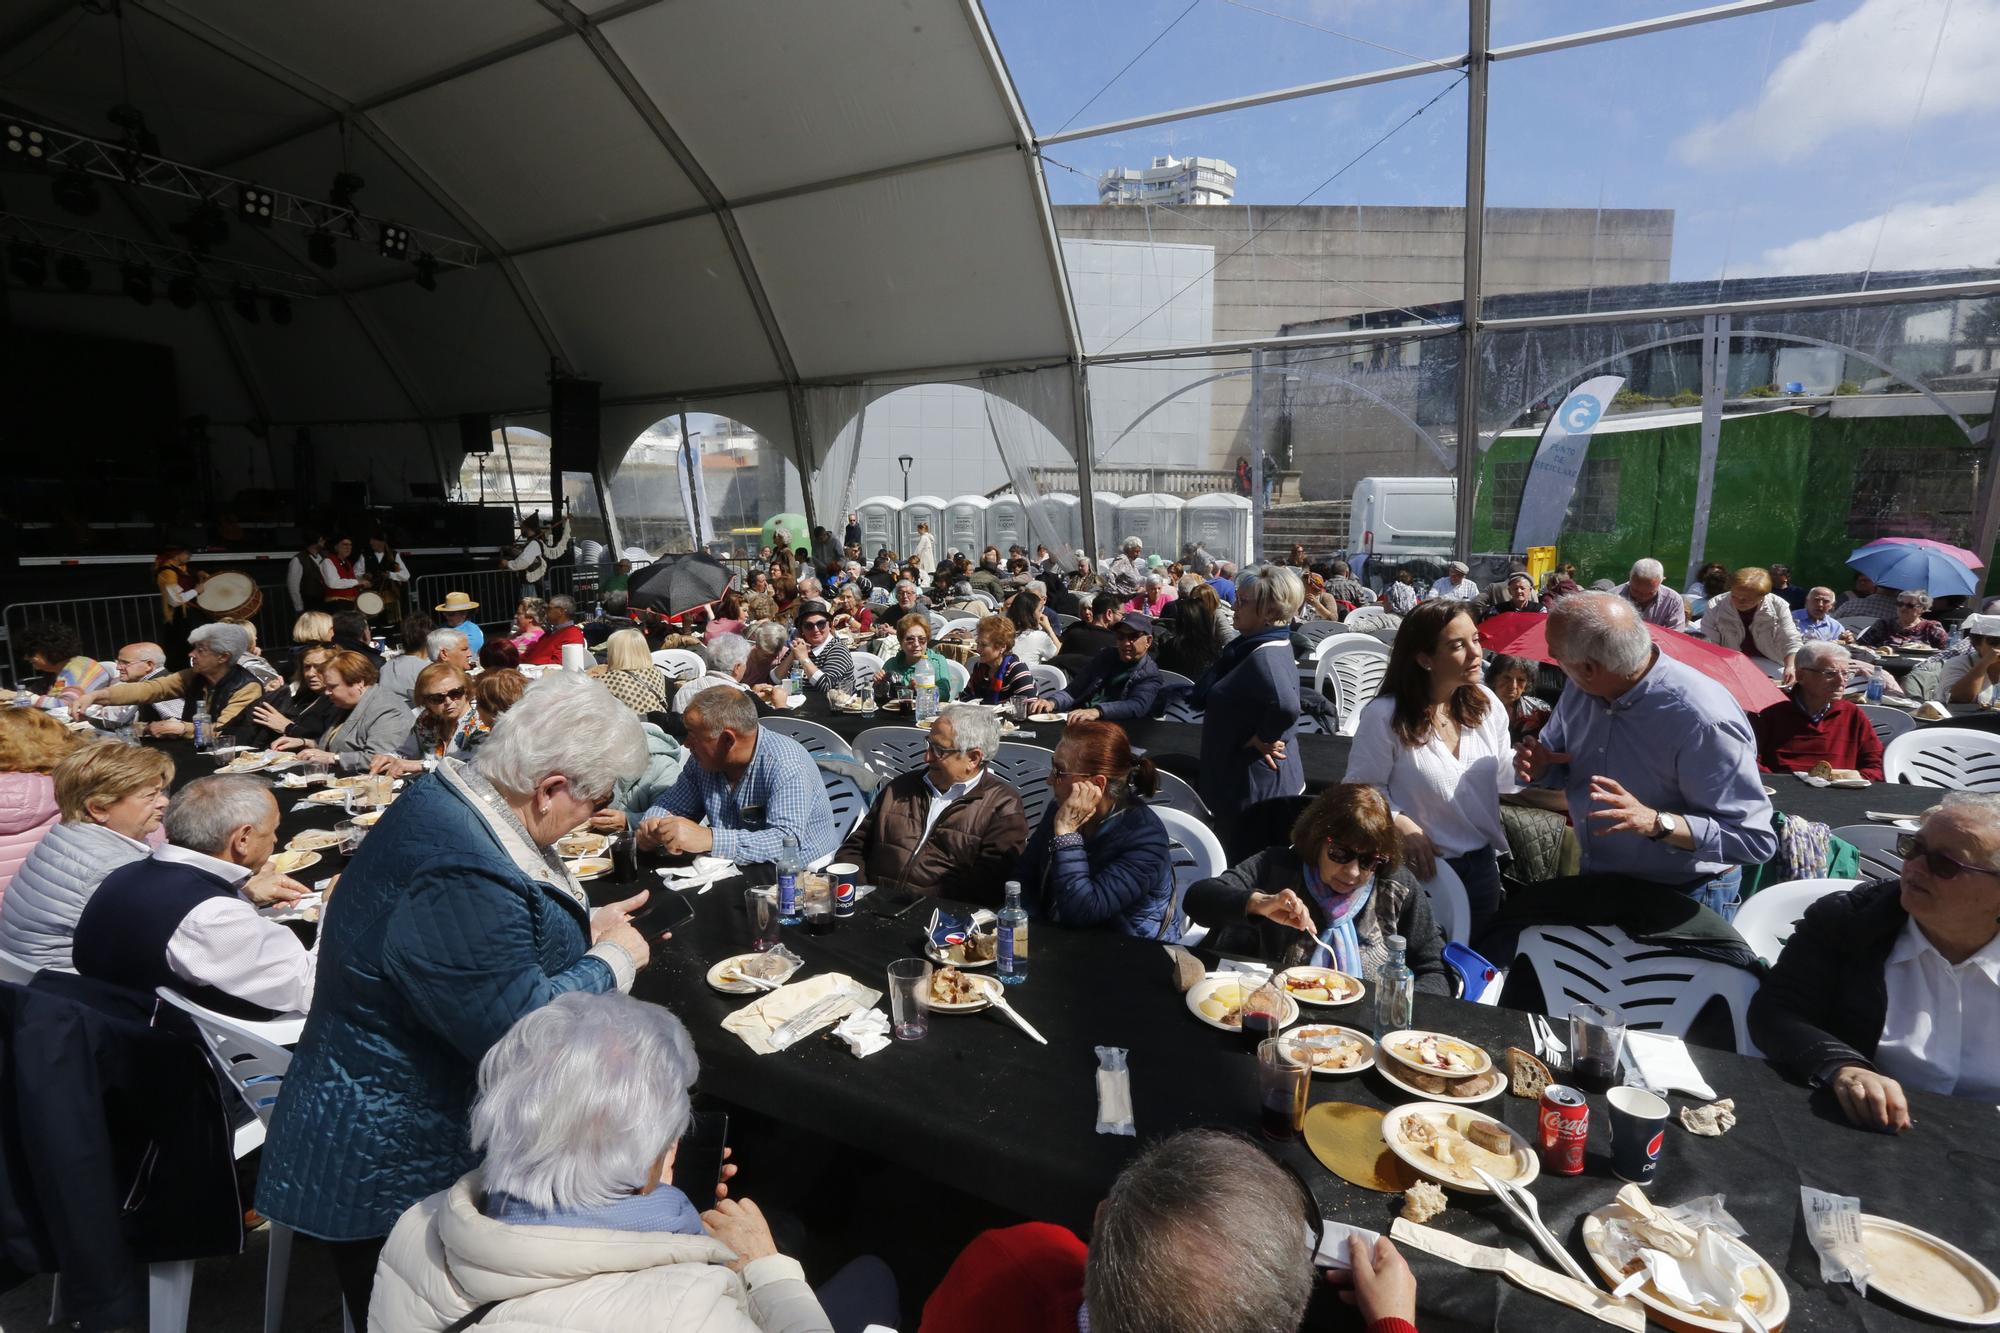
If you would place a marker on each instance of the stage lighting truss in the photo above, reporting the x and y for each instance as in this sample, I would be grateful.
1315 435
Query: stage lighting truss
254 205
393 241
187 276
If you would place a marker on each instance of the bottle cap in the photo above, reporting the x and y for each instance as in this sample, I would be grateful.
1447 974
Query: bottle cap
1397 944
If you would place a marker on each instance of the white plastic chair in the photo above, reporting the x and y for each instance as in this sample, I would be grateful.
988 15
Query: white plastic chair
1876 844
1655 989
1327 642
1767 920
682 664
1048 679
817 738
867 666
1197 855
1026 769
1450 907
18 971
959 620
1951 757
1062 622
959 677
1176 793
1889 723
1356 665
892 750
937 624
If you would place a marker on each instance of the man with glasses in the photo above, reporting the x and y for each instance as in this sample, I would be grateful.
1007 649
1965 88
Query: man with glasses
1895 986
1815 619
215 685
1969 677
1120 684
137 662
949 828
1816 725
753 787
822 659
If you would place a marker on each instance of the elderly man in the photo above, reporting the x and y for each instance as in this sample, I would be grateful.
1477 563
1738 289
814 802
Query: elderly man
1456 583
1973 676
137 662
453 648
1517 594
909 599
1815 619
617 604
1869 600
1120 684
1127 571
186 917
949 828
215 686
457 609
1224 583
754 787
1646 588
814 652
562 630
728 655
1896 984
399 674
1658 761
1340 581
1816 724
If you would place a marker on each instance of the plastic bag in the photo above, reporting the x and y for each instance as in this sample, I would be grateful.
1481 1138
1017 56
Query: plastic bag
1114 1092
1706 1211
1833 1225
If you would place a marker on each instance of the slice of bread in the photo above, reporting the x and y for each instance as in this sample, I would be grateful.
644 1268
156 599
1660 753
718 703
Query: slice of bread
1526 1076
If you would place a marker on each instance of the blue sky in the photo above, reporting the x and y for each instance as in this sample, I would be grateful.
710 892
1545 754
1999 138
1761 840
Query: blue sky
1833 136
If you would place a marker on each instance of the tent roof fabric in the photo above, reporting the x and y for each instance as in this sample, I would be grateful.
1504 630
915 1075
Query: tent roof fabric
679 199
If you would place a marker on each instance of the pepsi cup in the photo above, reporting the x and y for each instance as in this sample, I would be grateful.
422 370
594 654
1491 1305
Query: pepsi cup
1638 1129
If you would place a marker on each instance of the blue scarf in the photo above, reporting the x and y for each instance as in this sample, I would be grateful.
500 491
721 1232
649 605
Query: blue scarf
1341 911
665 1209
1232 656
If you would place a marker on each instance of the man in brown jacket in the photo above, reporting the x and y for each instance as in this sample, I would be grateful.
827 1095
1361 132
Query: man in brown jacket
950 828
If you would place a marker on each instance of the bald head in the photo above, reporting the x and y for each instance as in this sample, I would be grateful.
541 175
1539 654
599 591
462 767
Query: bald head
136 661
1601 631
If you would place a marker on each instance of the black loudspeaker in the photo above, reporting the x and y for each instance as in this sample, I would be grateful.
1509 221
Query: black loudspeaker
573 425
475 433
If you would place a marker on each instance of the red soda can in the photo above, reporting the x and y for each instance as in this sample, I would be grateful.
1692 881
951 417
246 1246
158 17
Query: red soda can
1564 1121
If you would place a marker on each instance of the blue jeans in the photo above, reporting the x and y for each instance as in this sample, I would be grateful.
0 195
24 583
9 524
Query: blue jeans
1721 895
1480 872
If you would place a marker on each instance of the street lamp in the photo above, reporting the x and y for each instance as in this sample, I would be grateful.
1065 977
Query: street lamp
906 461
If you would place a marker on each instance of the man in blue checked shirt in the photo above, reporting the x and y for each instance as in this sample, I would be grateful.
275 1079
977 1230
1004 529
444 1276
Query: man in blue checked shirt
751 786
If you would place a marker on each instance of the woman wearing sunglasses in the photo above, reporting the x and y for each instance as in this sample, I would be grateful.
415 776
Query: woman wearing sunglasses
913 634
447 723
1911 627
1894 986
1973 676
1332 898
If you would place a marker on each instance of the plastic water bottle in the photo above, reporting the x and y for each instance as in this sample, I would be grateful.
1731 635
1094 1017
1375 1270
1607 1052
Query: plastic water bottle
789 864
203 737
1012 964
795 682
1395 991
1875 686
924 680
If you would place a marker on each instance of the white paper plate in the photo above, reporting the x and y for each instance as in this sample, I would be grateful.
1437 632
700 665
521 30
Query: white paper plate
989 988
1929 1275
1355 990
1423 1165
290 862
1248 982
1774 1310
741 987
1393 1073
587 868
1366 1042
1481 1061
306 908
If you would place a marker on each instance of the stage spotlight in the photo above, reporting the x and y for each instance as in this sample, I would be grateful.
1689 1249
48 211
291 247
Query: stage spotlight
281 310
24 142
137 280
394 241
244 302
427 273
322 249
73 273
205 226
75 192
28 263
183 292
254 203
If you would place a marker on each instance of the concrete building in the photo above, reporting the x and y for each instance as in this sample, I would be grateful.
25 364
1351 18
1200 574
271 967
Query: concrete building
1177 181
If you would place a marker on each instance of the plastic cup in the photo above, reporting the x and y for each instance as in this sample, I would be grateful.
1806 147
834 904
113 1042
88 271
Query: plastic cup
910 999
1596 1040
351 835
761 906
1281 1091
381 787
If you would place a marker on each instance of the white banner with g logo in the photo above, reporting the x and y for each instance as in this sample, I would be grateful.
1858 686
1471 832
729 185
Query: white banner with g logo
1559 460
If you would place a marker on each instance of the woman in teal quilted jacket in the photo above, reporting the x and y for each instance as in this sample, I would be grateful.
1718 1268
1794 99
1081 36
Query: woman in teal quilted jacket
454 919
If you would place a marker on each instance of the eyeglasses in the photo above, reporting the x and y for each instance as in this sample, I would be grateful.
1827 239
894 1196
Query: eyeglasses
1833 672
935 748
447 697
1918 605
809 626
1055 772
919 640
1347 856
1911 848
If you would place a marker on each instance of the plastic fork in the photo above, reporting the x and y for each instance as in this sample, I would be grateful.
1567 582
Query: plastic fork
1522 1204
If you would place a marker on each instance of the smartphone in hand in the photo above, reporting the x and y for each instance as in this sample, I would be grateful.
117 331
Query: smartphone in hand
698 1158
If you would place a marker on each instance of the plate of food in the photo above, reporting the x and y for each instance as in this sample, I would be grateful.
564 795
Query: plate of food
1466 1091
1446 1144
246 763
726 976
970 947
1763 1292
1049 717
1329 1048
353 780
1914 650
581 843
293 861
329 796
1436 1053
1929 1275
314 840
369 820
1218 1002
590 867
1321 986
956 992
306 907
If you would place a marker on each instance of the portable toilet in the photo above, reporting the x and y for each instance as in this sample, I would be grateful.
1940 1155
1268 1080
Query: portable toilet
923 509
1154 519
877 516
1064 514
965 524
1109 531
1220 522
1007 524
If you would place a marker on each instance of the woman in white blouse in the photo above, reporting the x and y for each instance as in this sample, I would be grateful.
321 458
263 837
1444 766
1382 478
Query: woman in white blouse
1436 742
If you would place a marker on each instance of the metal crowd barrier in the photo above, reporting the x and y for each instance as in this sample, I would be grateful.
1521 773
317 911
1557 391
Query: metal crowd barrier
107 624
496 590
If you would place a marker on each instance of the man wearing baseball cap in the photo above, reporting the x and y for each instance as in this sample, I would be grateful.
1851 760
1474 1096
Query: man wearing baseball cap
1973 676
457 609
1121 683
1455 584
823 659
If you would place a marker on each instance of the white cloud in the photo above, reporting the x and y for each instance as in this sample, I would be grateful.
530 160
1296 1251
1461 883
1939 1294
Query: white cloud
1862 74
1912 236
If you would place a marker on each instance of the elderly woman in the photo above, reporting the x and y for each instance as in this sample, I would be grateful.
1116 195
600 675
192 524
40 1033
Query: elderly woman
1154 596
998 674
630 674
305 711
111 797
1973 676
454 919
375 722
32 744
1318 603
531 616
1888 986
1435 742
913 635
1512 680
55 650
728 656
448 725
1101 857
1758 621
1816 725
1250 697
1332 897
573 1220
493 694
850 612
1911 627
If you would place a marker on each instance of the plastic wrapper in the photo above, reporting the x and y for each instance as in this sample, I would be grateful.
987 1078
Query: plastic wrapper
1833 1225
1114 1092
1706 1211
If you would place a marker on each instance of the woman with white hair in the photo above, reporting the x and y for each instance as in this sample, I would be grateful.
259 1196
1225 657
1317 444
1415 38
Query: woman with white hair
1912 627
574 1220
1250 698
454 919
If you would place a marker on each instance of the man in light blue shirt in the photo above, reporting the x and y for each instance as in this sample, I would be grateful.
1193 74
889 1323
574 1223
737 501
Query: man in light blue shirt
751 786
1815 619
1658 761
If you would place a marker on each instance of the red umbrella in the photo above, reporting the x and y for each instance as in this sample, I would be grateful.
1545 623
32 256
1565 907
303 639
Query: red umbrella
1526 634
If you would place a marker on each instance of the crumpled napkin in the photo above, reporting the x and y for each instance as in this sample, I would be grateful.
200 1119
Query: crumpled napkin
865 1031
1711 1121
756 1022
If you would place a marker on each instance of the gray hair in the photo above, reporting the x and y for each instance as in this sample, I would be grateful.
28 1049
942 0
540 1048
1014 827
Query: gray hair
973 729
1132 544
1272 591
721 708
1817 588
1980 808
1228 568
617 601
810 587
1818 652
566 723
1155 580
1603 628
1648 568
564 603
206 813
231 639
580 1099
726 652
1201 1233
146 652
905 583
440 639
769 635
1918 593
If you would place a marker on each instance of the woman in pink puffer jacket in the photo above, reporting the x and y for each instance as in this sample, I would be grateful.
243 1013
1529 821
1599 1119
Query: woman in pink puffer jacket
31 744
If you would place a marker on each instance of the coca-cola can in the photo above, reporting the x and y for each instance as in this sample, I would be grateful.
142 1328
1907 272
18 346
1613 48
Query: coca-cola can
1564 1129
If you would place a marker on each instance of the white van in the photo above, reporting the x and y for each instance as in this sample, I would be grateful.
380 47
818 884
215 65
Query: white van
1403 515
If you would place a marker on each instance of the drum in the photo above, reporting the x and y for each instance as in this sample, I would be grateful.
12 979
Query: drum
369 604
230 595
